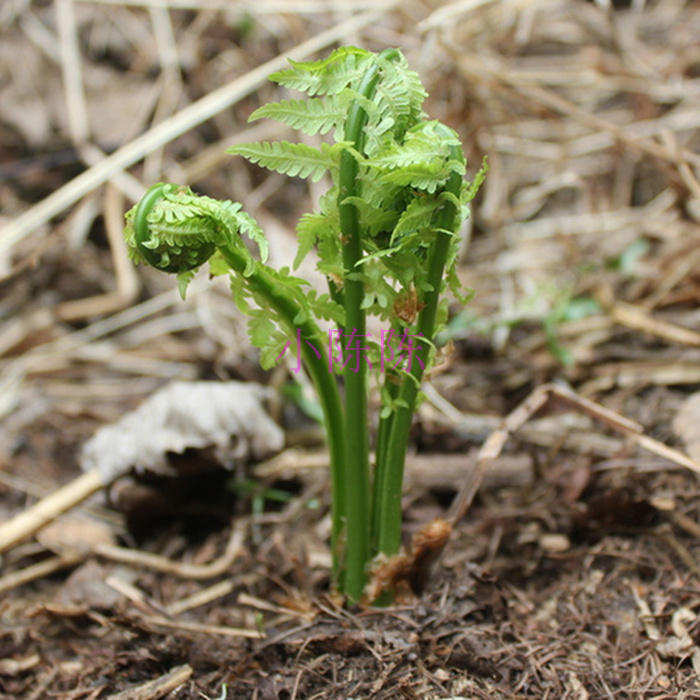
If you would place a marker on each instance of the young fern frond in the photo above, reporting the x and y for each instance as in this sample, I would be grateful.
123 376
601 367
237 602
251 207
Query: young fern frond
311 227
177 231
415 218
317 115
328 76
400 96
428 177
293 159
386 237
419 145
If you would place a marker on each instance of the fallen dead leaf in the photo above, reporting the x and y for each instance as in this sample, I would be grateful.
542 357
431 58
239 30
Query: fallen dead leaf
228 416
67 535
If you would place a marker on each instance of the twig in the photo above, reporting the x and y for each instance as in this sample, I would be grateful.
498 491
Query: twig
259 604
158 687
491 449
218 630
639 319
72 74
33 519
142 602
37 571
206 595
155 562
14 667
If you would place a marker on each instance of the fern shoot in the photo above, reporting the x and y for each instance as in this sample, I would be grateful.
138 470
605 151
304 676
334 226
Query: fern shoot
386 238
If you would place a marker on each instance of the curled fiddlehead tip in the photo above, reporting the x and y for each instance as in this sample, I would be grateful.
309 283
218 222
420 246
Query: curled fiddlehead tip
163 231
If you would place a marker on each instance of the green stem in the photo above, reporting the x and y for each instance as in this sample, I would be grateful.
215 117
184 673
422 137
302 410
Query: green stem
390 489
262 284
355 373
391 388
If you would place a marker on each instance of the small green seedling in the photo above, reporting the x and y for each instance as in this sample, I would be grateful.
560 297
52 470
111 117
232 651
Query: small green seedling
386 233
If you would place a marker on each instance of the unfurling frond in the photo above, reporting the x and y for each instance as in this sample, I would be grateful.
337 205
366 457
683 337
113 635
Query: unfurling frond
173 230
176 231
328 76
400 95
421 176
416 217
421 144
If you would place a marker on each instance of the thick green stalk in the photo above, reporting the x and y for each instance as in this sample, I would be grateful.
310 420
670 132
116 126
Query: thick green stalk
391 386
388 516
324 382
355 373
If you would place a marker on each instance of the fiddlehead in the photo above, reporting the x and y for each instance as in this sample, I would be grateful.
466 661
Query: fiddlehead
163 247
174 230
386 233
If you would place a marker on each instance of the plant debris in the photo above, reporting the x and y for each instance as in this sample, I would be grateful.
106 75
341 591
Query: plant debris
226 416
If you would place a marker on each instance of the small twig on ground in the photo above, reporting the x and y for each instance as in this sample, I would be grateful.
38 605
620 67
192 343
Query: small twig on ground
206 595
155 562
639 319
218 630
140 600
37 571
34 518
158 687
495 442
259 604
14 667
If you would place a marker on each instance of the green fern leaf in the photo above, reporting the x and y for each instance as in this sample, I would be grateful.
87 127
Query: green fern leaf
325 307
218 265
251 228
239 292
469 191
373 217
376 134
311 227
312 116
260 328
293 159
379 194
273 346
420 145
416 217
330 258
328 76
421 176
400 94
